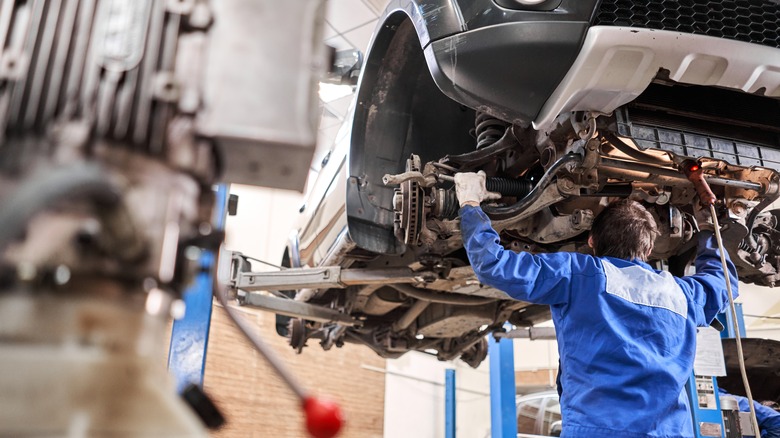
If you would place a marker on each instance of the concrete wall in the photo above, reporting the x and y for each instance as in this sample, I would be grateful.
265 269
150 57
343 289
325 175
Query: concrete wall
414 398
761 301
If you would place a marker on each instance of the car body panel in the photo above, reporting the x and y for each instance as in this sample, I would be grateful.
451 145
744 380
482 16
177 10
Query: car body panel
432 19
490 68
616 64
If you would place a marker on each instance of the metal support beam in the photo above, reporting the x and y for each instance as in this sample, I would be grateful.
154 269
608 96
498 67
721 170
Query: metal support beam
532 333
190 335
707 419
324 277
295 309
503 412
449 403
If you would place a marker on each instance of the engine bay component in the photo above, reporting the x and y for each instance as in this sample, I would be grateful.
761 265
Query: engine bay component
259 99
114 126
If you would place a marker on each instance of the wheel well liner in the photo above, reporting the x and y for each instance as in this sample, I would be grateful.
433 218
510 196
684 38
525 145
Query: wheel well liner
399 111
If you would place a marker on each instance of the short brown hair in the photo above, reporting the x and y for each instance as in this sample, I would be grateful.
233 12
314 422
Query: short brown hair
625 229
771 404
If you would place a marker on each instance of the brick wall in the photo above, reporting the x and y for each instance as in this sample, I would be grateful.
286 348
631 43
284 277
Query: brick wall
529 381
257 404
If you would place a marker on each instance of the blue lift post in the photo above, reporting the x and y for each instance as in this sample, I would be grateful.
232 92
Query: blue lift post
711 414
190 334
503 411
449 403
725 319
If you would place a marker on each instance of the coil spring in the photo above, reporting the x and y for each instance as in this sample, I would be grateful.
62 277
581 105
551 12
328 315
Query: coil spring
745 246
488 129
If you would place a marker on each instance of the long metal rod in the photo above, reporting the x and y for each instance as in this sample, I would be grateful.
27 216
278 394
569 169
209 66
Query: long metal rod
442 297
675 174
408 318
297 309
220 291
732 307
532 333
327 276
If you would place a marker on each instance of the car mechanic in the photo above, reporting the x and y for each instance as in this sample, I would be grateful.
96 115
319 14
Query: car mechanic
626 332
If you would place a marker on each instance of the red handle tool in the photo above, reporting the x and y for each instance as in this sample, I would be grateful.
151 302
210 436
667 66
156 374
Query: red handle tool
695 175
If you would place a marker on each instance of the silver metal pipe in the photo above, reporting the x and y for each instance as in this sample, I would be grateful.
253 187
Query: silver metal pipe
408 318
671 174
441 297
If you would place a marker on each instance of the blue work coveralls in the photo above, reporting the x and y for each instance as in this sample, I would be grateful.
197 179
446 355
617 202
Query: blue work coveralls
768 419
626 332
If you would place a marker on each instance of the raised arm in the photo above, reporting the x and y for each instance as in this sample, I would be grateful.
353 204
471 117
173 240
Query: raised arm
708 286
542 279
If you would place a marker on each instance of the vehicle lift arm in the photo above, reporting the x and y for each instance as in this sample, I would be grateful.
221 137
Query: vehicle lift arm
251 287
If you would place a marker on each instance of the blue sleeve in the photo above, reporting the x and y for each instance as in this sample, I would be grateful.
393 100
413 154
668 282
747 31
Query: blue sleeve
541 279
768 421
768 418
707 288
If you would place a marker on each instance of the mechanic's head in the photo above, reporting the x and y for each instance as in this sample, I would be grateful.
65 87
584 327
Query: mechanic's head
625 229
771 404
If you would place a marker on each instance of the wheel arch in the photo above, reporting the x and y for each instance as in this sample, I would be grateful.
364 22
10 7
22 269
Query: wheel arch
399 110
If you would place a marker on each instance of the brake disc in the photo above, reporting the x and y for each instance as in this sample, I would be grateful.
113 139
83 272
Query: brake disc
297 333
409 206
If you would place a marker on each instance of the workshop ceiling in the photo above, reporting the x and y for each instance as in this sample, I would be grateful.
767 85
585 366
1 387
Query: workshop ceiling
351 22
348 25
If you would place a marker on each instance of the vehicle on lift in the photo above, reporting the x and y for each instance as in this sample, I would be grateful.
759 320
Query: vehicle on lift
565 104
539 415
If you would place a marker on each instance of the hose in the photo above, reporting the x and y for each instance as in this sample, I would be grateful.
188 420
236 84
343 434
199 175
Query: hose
732 307
46 187
498 213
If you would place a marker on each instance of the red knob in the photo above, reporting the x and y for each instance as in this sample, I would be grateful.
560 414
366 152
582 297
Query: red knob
695 175
323 417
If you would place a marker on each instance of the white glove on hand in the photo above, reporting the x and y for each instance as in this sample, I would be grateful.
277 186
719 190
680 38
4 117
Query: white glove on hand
470 188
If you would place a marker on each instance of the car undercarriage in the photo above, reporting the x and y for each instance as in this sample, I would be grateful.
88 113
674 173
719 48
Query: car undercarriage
634 110
553 185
